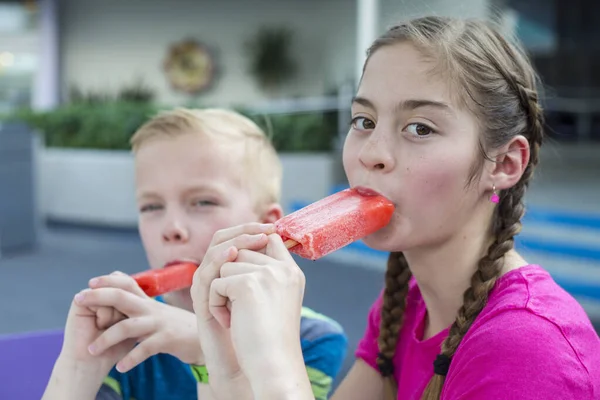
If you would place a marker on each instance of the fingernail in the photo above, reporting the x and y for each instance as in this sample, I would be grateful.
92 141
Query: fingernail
79 297
227 253
120 366
92 349
94 281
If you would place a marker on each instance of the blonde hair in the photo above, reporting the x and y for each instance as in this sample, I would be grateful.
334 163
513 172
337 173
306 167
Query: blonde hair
494 80
261 165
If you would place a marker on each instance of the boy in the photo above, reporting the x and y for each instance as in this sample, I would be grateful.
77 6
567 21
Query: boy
197 171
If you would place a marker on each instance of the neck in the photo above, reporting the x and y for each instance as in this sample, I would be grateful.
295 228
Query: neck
443 272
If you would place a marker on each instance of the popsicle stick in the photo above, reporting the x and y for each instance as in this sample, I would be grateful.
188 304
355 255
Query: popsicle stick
290 243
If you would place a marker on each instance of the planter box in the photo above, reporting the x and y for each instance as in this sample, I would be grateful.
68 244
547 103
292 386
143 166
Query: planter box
88 187
97 186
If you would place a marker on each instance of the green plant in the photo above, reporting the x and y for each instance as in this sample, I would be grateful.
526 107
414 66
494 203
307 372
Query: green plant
88 125
110 125
309 132
270 59
135 92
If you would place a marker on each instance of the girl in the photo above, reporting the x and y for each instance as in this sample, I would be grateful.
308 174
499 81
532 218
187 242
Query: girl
447 124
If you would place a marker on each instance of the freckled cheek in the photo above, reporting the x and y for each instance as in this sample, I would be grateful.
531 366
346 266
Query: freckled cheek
432 183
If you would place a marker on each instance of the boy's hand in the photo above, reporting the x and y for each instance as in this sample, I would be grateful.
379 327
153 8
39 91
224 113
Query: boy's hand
157 327
250 290
258 298
226 376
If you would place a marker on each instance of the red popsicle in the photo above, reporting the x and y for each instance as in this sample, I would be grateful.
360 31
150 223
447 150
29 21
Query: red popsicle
155 282
334 222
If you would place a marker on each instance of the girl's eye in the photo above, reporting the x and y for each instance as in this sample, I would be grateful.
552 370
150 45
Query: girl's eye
363 124
150 208
419 130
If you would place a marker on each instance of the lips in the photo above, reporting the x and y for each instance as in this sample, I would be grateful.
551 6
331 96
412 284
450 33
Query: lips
183 260
365 191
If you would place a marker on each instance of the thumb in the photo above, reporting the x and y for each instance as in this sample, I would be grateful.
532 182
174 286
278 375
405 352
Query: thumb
217 348
276 248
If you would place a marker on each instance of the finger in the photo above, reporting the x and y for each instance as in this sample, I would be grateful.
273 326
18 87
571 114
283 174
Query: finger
224 235
253 257
118 280
276 249
223 295
107 317
125 302
217 255
238 268
217 302
140 353
130 328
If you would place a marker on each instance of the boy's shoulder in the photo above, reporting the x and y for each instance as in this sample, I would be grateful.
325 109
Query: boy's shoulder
314 325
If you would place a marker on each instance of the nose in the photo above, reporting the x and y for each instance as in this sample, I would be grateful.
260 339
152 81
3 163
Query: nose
376 153
176 232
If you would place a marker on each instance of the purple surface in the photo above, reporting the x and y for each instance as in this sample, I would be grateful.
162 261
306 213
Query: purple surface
26 361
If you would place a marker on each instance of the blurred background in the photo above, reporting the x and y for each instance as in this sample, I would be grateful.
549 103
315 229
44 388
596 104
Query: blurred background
77 77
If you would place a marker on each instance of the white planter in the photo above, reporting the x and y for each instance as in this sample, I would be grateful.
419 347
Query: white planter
97 186
88 186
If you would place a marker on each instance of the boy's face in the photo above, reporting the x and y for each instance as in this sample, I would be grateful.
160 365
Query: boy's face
187 188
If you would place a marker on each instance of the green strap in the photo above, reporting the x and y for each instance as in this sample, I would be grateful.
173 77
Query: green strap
200 373
113 384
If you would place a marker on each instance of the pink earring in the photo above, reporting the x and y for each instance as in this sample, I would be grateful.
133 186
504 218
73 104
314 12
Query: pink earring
494 198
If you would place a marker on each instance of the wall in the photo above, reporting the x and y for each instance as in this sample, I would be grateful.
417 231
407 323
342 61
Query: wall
400 10
105 44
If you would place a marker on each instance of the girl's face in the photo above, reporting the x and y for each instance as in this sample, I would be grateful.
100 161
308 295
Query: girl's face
411 142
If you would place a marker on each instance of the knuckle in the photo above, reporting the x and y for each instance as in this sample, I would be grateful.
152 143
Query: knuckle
130 284
251 282
219 236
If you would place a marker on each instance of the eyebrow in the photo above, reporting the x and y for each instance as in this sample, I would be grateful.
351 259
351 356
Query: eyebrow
411 104
192 189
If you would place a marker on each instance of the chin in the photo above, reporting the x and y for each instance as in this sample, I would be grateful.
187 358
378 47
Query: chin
382 242
388 239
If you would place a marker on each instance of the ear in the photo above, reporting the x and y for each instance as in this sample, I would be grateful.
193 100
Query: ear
510 163
271 213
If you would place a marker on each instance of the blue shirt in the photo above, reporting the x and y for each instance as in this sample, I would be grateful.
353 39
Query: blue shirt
165 377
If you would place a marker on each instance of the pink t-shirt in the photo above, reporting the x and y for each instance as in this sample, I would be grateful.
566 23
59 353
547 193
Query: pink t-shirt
531 341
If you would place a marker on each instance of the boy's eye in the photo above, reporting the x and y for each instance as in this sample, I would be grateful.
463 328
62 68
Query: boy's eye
150 208
205 203
362 123
420 130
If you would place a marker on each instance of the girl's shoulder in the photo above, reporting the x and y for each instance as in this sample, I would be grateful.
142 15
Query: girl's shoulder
531 329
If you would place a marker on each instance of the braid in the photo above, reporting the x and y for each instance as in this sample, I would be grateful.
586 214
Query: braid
397 277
